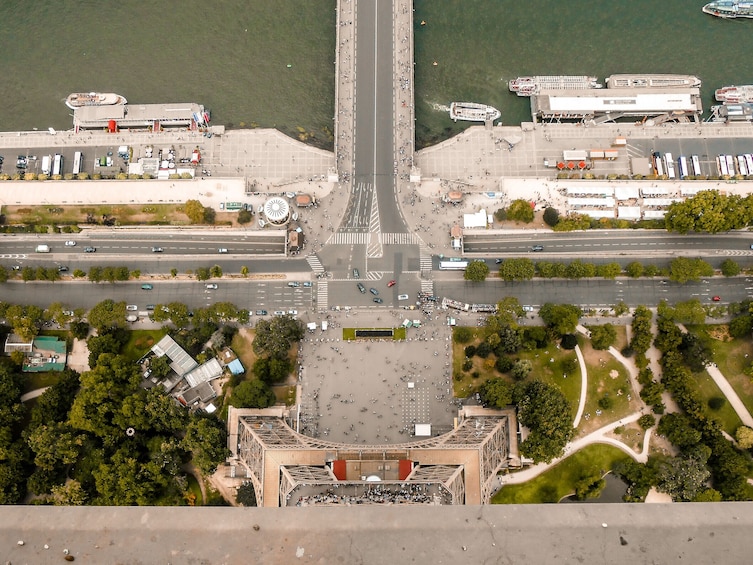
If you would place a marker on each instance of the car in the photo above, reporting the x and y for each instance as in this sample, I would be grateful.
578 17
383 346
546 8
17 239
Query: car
211 286
147 287
378 300
261 312
356 274
279 312
70 243
307 284
717 299
498 261
16 268
537 248
222 250
150 307
391 283
62 269
157 250
132 307
402 297
90 249
374 291
294 284
527 308
293 312
69 313
361 288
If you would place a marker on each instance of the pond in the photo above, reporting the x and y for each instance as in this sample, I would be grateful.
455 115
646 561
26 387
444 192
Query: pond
614 490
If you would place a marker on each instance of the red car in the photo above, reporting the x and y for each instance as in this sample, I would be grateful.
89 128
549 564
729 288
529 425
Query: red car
717 298
391 283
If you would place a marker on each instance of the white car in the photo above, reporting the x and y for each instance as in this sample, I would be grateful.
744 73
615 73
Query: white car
70 243
211 286
293 312
402 297
132 307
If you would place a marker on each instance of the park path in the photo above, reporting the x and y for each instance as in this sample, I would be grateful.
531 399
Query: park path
33 393
583 385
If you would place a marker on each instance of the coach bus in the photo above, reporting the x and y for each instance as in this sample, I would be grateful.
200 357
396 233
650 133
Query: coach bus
77 162
721 163
57 164
696 165
453 264
670 165
682 166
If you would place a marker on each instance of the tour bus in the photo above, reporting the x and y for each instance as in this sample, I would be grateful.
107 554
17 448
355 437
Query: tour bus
696 165
453 264
741 166
657 165
721 164
46 164
749 163
77 157
682 166
730 164
57 164
670 165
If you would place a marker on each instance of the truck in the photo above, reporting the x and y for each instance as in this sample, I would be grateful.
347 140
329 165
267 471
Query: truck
42 249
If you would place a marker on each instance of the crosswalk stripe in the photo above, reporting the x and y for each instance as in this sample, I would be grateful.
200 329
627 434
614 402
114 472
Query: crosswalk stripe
315 264
322 295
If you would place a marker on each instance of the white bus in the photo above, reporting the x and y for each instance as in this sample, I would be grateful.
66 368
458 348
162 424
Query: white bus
749 163
658 166
741 166
77 158
721 164
670 165
730 164
57 164
696 165
682 166
453 264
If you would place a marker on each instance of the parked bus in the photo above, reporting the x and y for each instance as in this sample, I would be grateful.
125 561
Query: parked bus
670 165
77 157
741 166
46 164
730 164
696 165
721 164
658 167
453 264
682 166
749 163
57 164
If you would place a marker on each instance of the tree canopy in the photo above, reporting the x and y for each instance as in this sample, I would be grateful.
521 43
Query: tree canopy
710 211
252 394
476 271
562 318
544 410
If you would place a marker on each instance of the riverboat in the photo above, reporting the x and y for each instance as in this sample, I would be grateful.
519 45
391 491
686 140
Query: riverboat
729 9
79 99
734 94
472 112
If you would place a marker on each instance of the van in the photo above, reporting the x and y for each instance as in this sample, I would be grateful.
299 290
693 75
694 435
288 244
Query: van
222 250
42 249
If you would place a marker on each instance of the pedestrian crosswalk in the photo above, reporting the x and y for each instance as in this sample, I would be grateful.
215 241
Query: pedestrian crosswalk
315 263
427 286
349 238
322 295
399 239
425 261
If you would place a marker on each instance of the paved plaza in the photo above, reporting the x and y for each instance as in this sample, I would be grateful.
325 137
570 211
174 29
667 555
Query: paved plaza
373 392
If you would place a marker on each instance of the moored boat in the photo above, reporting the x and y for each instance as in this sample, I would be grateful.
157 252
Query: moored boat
473 112
653 81
729 9
79 99
734 94
528 86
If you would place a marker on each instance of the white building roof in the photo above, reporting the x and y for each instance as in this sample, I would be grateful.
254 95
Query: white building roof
476 220
624 192
613 100
573 202
204 373
180 361
629 212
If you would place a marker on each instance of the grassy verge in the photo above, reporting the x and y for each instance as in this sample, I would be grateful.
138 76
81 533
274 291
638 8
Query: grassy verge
285 394
242 345
560 480
33 381
726 415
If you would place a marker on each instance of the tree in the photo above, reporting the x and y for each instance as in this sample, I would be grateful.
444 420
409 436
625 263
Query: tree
195 211
741 326
744 437
160 367
646 421
55 445
462 334
150 411
520 369
495 393
69 494
520 211
569 341
216 271
476 271
545 411
678 429
634 269
244 217
682 269
274 337
252 394
578 270
107 314
708 211
681 478
589 487
206 439
509 340
562 318
551 216
730 268
609 270
687 312
602 337
521 269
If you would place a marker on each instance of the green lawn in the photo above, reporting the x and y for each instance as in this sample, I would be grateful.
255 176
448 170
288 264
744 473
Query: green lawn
243 348
285 394
726 415
33 381
195 489
602 382
560 480
141 341
548 367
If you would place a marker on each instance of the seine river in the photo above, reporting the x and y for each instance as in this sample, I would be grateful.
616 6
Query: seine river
269 63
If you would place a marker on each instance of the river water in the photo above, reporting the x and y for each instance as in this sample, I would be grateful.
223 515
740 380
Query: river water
233 55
